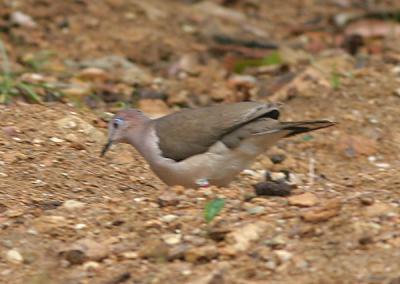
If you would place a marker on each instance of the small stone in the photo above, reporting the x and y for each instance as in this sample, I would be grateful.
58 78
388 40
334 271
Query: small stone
154 249
366 200
354 146
303 200
277 158
130 255
283 255
199 254
56 140
378 209
324 213
169 218
22 19
93 74
91 265
241 238
49 224
256 210
80 226
277 176
273 188
70 137
83 250
73 204
14 256
171 239
168 198
3 175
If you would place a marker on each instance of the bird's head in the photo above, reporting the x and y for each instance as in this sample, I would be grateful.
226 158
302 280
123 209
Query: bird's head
126 123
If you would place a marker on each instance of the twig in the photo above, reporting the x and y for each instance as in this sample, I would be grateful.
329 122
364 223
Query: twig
311 170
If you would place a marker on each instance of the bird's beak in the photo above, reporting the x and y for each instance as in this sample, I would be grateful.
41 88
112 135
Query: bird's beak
105 148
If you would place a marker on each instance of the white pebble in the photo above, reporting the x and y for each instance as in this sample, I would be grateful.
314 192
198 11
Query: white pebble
14 256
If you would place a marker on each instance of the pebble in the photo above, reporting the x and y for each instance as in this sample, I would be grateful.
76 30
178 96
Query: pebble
241 238
83 250
203 253
324 213
171 239
56 140
168 218
303 200
14 256
256 210
22 19
91 265
168 198
272 188
283 255
73 204
277 158
130 255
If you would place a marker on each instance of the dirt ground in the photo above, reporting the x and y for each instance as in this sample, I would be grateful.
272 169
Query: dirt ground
70 216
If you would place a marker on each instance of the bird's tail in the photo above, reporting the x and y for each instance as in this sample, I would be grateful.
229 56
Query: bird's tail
295 128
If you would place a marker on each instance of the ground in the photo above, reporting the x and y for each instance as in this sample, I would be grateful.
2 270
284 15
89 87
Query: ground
68 215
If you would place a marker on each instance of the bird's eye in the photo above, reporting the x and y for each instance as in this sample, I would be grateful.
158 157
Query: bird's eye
118 122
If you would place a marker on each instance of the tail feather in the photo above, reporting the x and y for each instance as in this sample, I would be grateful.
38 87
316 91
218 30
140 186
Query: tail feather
295 128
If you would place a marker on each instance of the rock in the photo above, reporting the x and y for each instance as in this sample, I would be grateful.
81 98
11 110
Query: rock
366 200
303 200
378 209
14 256
84 250
77 91
22 19
283 255
153 108
93 74
73 204
168 198
154 249
273 188
49 224
276 176
91 265
323 213
177 252
130 255
201 254
56 140
256 210
277 158
168 218
171 239
241 238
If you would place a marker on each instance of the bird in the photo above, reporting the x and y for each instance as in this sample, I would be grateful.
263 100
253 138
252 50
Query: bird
204 146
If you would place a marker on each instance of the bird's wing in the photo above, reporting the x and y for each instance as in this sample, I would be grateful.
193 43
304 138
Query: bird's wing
193 131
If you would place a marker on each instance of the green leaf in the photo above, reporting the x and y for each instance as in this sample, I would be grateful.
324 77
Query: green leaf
335 81
29 92
213 208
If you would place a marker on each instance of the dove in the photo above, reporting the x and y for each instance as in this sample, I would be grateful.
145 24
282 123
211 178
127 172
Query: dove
204 146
